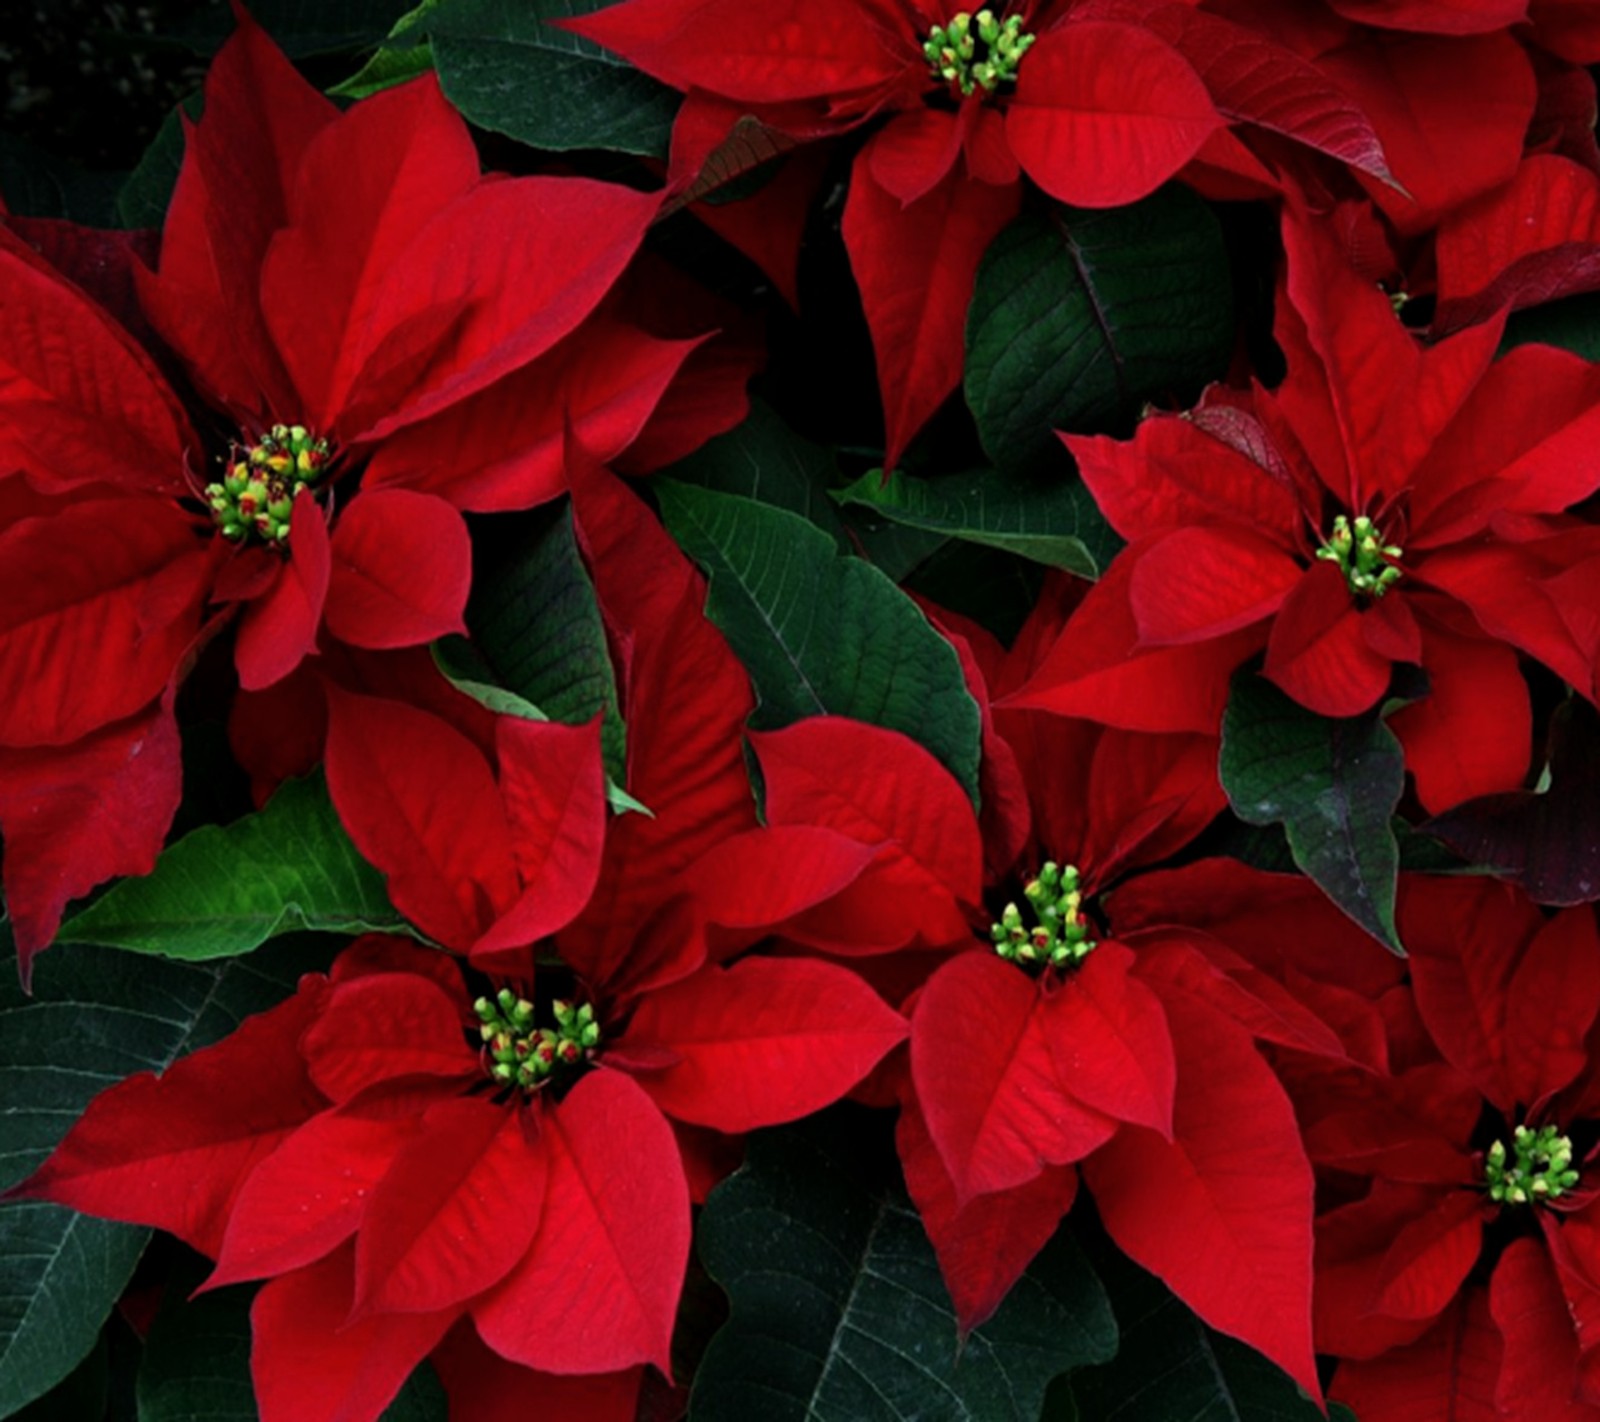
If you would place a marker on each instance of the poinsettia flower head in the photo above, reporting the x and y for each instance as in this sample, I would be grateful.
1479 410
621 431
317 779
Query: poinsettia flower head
1053 1044
400 1158
386 338
1456 1165
1375 509
1098 102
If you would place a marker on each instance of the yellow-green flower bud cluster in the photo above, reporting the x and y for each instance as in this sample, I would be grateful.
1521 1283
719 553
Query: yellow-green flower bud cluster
1537 1167
1059 936
255 498
977 51
1362 556
517 1053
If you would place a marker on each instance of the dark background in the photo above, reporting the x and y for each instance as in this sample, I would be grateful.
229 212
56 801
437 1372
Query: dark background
91 81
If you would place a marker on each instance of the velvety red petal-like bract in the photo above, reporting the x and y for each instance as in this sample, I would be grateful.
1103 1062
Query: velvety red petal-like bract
765 1041
1532 241
455 1211
768 53
278 629
81 402
308 1196
911 809
1463 955
552 783
310 1363
401 567
566 239
1472 734
74 817
686 697
1442 17
385 1026
984 1245
364 187
504 447
241 164
598 1289
1108 1035
1253 80
1449 1375
1451 113
1197 584
421 803
915 267
172 1151
1105 113
1222 1212
988 1078
98 604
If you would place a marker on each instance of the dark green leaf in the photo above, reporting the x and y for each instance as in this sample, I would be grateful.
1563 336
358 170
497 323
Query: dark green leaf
83 1395
1172 1368
96 1017
226 889
840 1314
994 589
820 632
897 548
1080 317
1332 784
763 459
1056 524
536 628
1573 324
146 192
507 70
197 1365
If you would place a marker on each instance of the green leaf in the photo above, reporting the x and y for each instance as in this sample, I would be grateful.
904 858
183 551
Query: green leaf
146 192
839 1311
1080 317
1056 524
197 1365
96 1016
1172 1368
820 632
226 889
763 459
507 70
1332 784
84 1393
536 629
1572 323
404 54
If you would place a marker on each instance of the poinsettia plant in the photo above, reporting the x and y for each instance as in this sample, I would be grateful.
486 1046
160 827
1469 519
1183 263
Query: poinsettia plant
849 709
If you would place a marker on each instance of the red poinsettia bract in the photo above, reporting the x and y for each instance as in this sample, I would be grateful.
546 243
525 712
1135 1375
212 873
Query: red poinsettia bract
1066 1043
1097 101
353 299
407 1160
1378 507
1458 1261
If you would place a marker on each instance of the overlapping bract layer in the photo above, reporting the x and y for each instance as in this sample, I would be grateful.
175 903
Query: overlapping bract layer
482 1148
347 276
